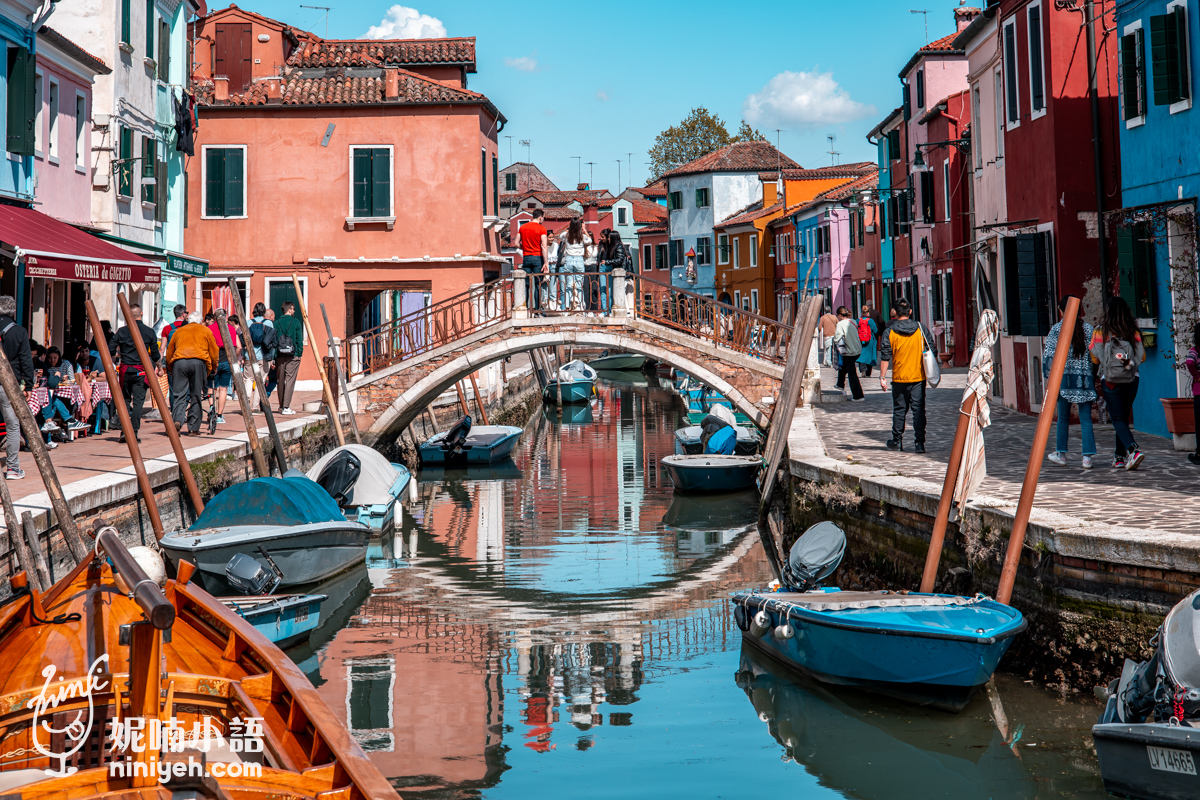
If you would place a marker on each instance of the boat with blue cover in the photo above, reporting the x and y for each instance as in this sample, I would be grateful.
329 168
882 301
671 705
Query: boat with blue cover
689 441
290 526
578 382
932 649
368 488
467 445
286 619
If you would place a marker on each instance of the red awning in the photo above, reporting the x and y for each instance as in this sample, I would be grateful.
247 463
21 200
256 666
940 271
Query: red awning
53 249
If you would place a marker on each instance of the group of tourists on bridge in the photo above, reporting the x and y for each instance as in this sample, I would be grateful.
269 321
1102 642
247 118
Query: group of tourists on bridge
569 271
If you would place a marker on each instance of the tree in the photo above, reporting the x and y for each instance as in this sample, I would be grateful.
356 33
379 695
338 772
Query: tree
748 134
700 133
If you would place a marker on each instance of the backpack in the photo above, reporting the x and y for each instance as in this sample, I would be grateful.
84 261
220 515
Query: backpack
864 330
285 347
1117 361
256 334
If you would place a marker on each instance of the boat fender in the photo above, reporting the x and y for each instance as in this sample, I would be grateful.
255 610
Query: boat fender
742 617
761 624
151 563
784 631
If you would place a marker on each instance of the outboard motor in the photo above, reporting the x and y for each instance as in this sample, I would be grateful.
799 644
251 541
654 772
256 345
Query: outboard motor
456 437
814 557
247 576
340 475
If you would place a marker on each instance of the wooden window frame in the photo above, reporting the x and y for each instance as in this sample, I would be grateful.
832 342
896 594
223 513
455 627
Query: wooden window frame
204 180
722 249
1011 72
390 218
1133 35
1038 75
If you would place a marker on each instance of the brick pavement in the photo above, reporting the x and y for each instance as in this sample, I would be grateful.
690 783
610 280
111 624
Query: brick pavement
1161 495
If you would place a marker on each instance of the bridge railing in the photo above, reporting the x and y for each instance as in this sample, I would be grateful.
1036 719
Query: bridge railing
721 324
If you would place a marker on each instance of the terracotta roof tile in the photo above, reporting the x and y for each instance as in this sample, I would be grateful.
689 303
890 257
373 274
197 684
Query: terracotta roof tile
737 157
648 212
563 213
316 52
651 191
654 227
852 170
749 214
591 196
833 195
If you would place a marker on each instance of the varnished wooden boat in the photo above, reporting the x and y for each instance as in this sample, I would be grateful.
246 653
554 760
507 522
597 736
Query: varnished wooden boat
154 653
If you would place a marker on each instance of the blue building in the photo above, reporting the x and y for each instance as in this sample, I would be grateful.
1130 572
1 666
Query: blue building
18 27
886 138
1160 174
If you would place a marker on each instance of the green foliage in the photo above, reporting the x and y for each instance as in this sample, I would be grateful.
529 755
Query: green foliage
700 133
748 134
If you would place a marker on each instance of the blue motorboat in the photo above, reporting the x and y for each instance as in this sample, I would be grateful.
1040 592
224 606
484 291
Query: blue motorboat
578 382
712 473
577 414
689 441
366 486
285 619
467 445
932 649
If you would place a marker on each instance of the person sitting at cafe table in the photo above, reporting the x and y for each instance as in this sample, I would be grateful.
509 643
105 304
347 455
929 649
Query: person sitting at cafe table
59 372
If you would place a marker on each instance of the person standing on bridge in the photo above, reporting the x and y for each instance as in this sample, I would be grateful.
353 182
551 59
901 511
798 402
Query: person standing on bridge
902 345
573 246
534 249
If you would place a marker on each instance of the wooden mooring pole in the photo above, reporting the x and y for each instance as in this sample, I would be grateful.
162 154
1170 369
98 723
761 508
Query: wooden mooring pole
312 343
239 389
260 377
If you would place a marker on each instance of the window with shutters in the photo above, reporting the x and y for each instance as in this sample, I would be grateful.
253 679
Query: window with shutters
125 161
483 173
622 215
224 193
703 250
946 189
160 190
52 92
510 182
853 244
723 248
1027 284
677 259
920 88
893 140
862 227
674 201
660 256
22 81
1135 263
753 250
39 120
495 186
928 214
1133 75
126 22
233 54
1037 75
81 141
702 198
1170 58
736 251
371 182
149 166
150 29
164 51
998 97
906 102
1011 90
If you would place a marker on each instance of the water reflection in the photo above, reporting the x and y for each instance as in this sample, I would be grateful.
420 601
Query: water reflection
560 628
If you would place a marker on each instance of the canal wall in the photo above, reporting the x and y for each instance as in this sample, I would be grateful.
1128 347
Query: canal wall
1093 594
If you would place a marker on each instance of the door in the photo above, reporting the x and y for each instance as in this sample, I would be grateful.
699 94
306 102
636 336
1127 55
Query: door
281 292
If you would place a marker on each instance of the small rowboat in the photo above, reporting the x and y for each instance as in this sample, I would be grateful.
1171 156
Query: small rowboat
707 473
616 361
285 620
578 382
92 656
931 649
367 487
483 445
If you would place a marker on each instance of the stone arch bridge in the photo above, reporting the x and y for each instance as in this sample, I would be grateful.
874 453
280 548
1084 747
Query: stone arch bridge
398 369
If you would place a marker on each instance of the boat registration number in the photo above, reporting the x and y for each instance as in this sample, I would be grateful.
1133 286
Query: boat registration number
1165 759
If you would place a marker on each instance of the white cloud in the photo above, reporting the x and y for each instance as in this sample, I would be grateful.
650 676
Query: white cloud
522 63
402 22
602 96
800 100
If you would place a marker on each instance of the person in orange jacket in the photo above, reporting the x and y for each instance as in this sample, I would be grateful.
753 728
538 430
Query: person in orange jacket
191 358
902 345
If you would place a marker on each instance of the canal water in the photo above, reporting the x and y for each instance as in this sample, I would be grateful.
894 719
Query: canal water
559 627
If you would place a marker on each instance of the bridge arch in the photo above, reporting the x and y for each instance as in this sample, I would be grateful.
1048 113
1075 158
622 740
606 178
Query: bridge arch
405 408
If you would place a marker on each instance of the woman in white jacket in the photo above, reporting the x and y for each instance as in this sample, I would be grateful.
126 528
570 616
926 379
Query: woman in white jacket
574 245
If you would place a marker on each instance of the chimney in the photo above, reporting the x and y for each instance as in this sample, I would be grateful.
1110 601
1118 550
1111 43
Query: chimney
274 89
391 84
770 193
221 89
964 17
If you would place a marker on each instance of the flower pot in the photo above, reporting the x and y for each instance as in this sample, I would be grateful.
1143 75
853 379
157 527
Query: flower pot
1180 417
946 357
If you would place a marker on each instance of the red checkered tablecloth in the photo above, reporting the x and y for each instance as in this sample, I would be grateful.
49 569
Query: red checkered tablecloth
40 398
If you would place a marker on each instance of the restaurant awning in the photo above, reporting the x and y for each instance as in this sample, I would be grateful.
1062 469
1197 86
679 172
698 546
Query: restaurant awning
52 249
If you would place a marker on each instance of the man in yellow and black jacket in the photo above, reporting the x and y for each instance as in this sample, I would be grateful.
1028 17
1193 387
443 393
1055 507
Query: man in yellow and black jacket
901 345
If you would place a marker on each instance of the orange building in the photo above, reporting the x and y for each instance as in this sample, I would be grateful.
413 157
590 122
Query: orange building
356 164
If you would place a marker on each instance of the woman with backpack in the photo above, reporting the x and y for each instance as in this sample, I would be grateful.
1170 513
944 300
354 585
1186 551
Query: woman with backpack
573 247
1118 352
867 332
1078 387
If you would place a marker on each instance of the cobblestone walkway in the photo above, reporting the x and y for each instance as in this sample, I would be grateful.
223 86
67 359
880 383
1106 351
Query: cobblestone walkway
1164 494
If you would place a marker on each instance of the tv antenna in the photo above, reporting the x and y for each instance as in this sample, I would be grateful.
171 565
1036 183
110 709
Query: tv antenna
578 169
925 13
618 175
591 173
833 154
326 9
527 144
509 149
629 158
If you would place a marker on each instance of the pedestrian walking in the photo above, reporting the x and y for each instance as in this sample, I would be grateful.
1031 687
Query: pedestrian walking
1078 387
1193 367
868 331
1118 353
845 339
15 341
901 347
131 374
534 250
191 357
828 326
573 247
262 339
223 380
289 333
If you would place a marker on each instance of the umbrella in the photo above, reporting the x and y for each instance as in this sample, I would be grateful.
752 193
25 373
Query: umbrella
979 376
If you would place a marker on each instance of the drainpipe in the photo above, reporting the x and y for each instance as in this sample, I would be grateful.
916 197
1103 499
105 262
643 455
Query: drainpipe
1096 158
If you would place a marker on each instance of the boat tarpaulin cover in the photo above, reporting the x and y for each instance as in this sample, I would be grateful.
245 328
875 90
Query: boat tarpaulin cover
270 501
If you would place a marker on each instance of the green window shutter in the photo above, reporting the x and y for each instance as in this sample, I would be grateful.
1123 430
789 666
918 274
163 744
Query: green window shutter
149 156
1037 99
381 183
214 182
235 182
894 144
21 101
362 182
125 169
149 28
699 198
495 186
1164 59
126 20
164 51
1125 262
160 191
1182 60
1141 288
1010 73
1130 77
483 177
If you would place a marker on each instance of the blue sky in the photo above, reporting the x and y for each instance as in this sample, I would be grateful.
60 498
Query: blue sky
601 81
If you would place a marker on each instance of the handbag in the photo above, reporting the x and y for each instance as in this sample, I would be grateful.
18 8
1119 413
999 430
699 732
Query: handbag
929 361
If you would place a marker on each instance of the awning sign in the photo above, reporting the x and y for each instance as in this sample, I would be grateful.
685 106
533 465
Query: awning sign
64 268
186 265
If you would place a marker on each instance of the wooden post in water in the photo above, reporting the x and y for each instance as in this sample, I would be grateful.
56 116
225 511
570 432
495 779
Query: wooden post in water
39 561
16 537
1033 468
185 467
33 437
479 401
325 388
938 537
118 398
239 388
337 360
462 399
558 376
259 377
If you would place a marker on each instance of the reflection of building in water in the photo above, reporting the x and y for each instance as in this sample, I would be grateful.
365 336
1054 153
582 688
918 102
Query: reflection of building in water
631 486
701 543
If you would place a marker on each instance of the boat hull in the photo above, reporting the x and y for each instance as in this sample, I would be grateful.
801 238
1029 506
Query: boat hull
304 553
1148 761
485 444
619 361
572 392
917 657
285 621
712 473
